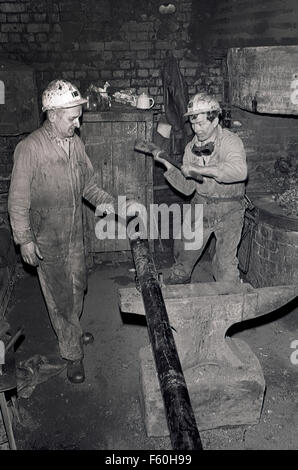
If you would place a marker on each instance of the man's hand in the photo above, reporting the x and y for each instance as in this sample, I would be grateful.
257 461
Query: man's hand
196 172
186 169
192 171
161 160
30 253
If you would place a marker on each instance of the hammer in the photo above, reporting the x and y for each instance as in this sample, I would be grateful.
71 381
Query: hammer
151 149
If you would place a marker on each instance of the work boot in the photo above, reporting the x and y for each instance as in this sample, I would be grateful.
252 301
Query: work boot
75 371
87 338
176 275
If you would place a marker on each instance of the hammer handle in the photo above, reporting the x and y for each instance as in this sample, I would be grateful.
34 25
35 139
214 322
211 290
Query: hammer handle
149 147
14 339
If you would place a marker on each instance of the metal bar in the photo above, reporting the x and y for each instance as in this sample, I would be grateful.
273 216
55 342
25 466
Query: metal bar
181 421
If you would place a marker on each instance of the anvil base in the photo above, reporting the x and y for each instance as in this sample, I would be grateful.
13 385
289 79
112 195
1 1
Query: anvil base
220 394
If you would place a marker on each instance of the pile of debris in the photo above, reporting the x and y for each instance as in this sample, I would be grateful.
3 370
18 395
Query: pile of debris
288 200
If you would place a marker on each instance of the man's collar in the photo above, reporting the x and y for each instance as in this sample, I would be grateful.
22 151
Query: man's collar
52 134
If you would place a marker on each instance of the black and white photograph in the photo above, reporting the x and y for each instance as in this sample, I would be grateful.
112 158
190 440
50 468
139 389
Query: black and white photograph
148 228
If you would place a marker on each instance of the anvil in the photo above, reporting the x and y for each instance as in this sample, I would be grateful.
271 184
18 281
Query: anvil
224 377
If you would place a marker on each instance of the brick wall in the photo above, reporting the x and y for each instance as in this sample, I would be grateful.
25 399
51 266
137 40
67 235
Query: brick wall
274 254
94 41
126 42
98 40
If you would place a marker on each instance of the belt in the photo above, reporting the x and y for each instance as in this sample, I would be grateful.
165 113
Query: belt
217 200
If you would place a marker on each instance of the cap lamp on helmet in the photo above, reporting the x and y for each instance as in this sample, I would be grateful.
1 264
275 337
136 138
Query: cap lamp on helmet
202 103
61 94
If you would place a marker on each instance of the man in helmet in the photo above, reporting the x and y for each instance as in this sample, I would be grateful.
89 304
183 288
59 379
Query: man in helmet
51 175
214 171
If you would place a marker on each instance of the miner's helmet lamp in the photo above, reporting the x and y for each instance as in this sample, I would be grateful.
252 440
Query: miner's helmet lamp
61 94
202 103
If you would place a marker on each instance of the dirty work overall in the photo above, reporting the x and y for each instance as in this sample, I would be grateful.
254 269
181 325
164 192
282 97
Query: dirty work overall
223 203
45 206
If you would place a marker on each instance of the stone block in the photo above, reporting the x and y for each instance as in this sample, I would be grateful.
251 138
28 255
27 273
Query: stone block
14 37
80 74
40 17
57 28
130 73
141 82
158 99
12 28
140 26
145 64
154 73
220 395
3 37
142 36
116 46
190 72
153 90
118 74
143 73
41 37
140 45
143 54
68 75
92 46
38 28
15 7
121 83
13 18
164 45
93 74
124 64
106 74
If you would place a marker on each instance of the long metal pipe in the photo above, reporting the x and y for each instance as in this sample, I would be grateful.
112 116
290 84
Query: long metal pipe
181 421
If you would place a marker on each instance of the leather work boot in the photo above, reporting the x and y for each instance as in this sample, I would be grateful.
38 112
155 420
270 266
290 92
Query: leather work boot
87 338
176 275
75 371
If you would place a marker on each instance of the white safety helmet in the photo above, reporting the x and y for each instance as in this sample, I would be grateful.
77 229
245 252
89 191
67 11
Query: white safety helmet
202 103
61 94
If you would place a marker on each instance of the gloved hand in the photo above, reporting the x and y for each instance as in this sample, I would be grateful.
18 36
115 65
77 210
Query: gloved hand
31 253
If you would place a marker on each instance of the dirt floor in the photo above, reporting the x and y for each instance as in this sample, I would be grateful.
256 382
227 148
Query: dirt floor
104 413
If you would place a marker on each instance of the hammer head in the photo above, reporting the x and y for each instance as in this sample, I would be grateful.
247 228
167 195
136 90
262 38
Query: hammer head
146 147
